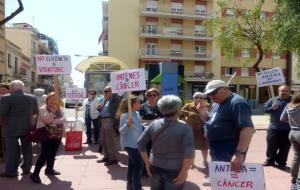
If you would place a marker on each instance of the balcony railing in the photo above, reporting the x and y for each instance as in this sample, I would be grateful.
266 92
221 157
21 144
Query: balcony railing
180 13
174 54
169 32
194 76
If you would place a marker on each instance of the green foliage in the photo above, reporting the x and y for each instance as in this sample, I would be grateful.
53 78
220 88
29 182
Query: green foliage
287 24
243 29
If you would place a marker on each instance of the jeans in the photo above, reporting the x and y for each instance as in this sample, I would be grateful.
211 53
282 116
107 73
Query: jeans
162 179
278 146
88 123
135 168
222 150
49 150
295 140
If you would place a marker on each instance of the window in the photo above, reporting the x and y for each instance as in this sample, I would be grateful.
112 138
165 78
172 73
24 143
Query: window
9 60
176 50
16 65
229 71
32 76
150 48
199 69
200 30
263 16
245 53
201 10
275 55
176 7
244 72
33 48
229 12
152 6
200 51
150 28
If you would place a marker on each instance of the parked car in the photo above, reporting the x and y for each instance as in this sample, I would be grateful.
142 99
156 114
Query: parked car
71 103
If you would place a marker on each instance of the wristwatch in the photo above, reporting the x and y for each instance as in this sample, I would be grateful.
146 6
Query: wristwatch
240 153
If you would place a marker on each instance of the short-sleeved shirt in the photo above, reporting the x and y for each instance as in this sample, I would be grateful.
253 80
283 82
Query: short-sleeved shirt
149 113
227 119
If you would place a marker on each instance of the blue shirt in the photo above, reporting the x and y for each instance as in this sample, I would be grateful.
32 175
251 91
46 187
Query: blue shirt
105 112
275 122
130 135
227 119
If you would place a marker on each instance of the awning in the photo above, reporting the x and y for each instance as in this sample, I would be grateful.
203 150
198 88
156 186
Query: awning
158 79
105 62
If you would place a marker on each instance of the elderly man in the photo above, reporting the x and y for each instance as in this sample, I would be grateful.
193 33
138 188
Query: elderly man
229 126
17 110
173 147
107 116
278 144
4 89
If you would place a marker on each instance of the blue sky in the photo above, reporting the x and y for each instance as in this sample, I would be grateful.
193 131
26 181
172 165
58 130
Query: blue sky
74 24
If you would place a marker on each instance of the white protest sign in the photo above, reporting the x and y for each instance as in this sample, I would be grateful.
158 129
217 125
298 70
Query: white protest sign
250 177
53 64
75 93
128 80
270 77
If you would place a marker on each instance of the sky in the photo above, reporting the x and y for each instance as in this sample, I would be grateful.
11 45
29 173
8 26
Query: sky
75 25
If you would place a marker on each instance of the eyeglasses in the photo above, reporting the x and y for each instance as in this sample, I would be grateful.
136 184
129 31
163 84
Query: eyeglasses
107 91
151 95
214 92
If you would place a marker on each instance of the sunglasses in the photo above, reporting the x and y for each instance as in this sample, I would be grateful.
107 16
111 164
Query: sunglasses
214 92
152 95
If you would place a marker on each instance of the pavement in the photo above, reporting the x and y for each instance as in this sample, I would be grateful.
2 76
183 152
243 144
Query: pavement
80 171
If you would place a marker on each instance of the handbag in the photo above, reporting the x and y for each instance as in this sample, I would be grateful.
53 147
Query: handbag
73 141
37 134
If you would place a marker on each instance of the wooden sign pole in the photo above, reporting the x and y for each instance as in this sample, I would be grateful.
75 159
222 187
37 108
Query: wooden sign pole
272 94
56 90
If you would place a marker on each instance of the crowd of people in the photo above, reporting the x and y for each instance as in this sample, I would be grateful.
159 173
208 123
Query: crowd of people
160 135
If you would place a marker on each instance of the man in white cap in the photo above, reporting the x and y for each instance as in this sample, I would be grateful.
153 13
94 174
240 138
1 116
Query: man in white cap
229 126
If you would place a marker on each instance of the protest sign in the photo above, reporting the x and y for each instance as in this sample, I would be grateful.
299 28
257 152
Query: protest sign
53 64
128 80
270 77
250 177
75 93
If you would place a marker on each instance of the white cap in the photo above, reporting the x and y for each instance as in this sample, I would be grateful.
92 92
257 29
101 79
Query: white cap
213 85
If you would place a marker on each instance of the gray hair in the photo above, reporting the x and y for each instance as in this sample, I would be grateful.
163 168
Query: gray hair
198 94
16 85
169 104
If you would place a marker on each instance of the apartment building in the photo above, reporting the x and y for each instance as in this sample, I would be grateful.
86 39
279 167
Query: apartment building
143 33
32 42
2 42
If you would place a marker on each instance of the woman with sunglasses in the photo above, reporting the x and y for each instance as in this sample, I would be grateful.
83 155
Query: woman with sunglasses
191 114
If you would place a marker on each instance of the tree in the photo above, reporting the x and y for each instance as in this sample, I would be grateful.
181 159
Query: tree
12 15
287 24
242 29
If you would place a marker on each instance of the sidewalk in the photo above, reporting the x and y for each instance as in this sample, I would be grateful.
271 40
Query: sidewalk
81 172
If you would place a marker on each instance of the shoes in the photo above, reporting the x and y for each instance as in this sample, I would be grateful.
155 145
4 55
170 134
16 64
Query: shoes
102 160
267 163
35 178
206 182
25 172
7 175
100 149
282 167
52 172
88 142
111 162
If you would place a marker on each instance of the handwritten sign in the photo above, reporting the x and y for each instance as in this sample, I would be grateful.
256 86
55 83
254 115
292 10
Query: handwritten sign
128 80
270 77
75 93
53 64
250 177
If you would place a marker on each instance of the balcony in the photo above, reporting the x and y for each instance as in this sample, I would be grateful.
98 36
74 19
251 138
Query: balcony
168 12
195 77
174 33
167 54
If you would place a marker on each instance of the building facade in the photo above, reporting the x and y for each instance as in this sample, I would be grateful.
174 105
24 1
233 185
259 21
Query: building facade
142 33
2 43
